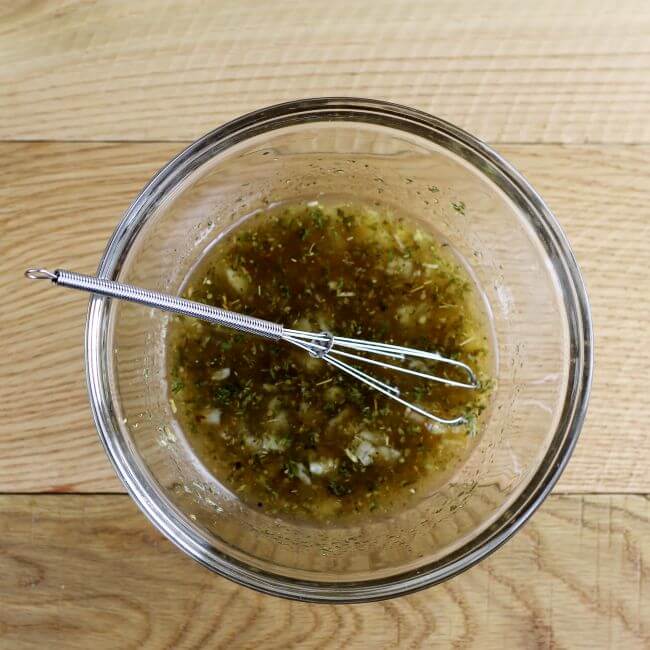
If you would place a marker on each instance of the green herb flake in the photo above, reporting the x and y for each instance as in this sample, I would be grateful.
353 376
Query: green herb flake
459 206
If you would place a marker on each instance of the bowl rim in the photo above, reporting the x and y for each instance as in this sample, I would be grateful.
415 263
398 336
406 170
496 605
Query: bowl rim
172 523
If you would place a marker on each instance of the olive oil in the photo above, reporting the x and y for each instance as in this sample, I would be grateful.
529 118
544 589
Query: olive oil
288 433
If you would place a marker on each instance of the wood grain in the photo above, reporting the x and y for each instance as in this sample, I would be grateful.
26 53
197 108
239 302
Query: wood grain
59 206
89 571
60 202
508 71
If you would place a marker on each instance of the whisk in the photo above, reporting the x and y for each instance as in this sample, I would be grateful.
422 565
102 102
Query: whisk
323 345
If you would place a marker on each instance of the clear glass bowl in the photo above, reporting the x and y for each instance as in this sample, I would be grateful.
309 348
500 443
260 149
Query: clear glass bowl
374 152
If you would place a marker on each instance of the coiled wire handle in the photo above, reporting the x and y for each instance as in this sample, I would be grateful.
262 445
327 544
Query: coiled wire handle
158 300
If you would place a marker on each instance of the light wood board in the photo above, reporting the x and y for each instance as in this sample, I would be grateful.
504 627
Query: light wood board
60 202
561 88
89 571
551 71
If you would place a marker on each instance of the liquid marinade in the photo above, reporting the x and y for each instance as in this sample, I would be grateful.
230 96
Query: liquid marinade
288 433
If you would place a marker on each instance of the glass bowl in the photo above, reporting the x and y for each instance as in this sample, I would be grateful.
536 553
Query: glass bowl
372 152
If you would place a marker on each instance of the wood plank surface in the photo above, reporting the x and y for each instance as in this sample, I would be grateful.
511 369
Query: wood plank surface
60 202
552 71
96 95
90 571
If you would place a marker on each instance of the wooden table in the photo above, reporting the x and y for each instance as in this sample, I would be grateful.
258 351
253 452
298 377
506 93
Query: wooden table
96 96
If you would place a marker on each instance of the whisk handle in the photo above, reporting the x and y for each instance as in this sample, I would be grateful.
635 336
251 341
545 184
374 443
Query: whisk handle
158 300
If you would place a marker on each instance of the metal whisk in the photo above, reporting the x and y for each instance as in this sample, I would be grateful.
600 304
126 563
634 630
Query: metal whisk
323 345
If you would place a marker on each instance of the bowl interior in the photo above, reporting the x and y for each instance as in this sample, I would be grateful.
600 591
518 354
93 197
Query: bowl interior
376 159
